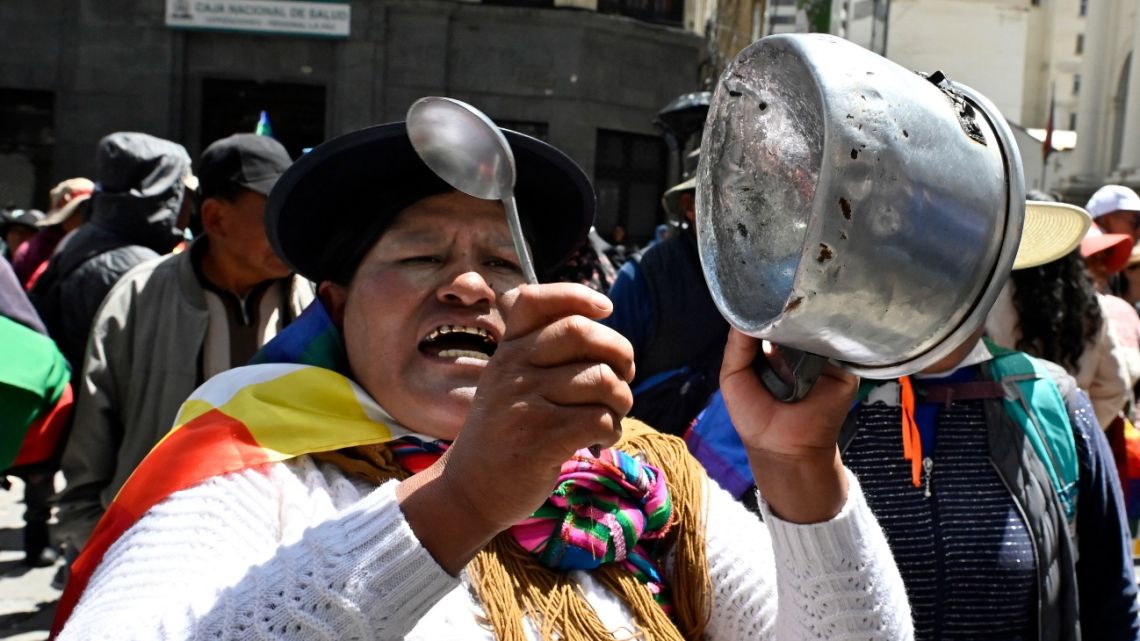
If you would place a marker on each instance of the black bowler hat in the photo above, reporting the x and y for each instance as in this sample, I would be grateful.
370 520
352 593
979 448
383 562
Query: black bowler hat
329 208
241 160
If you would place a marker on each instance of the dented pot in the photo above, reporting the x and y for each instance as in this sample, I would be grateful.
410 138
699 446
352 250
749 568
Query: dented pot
852 209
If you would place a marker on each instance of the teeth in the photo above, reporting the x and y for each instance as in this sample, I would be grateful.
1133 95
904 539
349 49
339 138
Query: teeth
458 353
448 329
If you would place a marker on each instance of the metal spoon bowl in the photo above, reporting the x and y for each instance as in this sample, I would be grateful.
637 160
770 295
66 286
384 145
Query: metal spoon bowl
469 152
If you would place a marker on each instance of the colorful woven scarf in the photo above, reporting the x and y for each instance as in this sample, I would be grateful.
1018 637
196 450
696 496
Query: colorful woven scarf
300 399
609 509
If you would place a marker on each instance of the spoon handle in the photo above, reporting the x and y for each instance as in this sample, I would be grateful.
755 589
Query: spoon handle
521 248
525 260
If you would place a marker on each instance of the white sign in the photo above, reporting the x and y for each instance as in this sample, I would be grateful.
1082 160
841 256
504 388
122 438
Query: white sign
329 19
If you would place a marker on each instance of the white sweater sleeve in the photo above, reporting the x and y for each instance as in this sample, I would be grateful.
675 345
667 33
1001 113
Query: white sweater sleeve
278 552
835 580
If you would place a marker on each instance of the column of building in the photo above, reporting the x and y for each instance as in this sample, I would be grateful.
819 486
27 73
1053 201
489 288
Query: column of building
1130 149
1092 105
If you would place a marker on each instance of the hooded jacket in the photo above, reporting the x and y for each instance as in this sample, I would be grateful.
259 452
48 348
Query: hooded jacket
132 218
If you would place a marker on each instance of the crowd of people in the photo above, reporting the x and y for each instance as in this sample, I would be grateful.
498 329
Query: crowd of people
315 398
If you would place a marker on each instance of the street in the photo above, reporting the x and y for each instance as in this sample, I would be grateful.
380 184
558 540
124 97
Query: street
27 600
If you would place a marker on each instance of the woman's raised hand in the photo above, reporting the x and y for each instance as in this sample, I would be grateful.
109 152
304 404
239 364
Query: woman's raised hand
558 382
791 446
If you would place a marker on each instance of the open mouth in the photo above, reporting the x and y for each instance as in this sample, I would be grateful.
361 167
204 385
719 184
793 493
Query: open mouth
455 341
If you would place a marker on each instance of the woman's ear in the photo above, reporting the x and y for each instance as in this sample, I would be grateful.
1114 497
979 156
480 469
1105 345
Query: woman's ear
334 297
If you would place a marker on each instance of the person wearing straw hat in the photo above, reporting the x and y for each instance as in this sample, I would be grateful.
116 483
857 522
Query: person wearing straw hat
1051 309
68 201
663 307
988 503
385 470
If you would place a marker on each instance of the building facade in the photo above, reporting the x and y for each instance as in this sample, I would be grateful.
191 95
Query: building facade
586 76
1063 63
1108 110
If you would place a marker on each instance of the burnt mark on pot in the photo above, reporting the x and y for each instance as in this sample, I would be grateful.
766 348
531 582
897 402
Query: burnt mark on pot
794 303
906 134
850 117
735 94
763 105
825 253
845 207
854 154
842 235
742 230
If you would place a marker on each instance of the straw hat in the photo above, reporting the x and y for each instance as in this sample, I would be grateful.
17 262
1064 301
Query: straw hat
670 201
1051 230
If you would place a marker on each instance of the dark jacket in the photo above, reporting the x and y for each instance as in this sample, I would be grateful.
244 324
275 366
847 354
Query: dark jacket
1084 587
662 305
133 216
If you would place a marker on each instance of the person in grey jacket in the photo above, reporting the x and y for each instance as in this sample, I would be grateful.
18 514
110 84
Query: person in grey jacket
172 323
133 217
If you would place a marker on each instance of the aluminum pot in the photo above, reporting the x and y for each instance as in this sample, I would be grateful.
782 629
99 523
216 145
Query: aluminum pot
852 209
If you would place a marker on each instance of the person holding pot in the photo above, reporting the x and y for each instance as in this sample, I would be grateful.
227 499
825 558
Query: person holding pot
411 458
992 478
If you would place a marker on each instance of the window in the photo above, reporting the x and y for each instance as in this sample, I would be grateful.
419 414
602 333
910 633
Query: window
296 112
665 11
1072 122
629 175
1083 9
1076 84
27 142
1080 43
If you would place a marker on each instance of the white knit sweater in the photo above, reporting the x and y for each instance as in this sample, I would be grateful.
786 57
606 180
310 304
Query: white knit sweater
298 551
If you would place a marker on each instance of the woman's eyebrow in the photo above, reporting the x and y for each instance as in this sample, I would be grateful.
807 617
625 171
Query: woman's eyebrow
428 236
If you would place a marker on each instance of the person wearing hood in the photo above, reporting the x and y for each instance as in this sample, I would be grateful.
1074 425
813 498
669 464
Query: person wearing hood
133 217
194 314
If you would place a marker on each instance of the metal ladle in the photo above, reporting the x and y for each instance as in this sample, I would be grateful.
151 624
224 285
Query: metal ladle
470 153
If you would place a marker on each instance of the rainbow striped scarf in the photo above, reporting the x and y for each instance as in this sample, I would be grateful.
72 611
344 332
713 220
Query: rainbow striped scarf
297 398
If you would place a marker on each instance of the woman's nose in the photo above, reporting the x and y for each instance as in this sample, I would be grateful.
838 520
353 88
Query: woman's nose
468 288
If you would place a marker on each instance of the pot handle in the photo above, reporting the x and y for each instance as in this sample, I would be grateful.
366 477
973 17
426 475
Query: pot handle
803 368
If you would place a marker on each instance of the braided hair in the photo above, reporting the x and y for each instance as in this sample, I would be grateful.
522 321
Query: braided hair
1057 309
